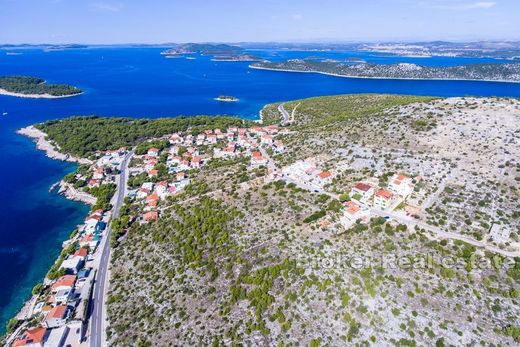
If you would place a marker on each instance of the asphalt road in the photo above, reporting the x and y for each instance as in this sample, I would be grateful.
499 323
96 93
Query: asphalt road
284 113
97 318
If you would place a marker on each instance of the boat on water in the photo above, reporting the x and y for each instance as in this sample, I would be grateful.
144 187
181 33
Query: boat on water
4 114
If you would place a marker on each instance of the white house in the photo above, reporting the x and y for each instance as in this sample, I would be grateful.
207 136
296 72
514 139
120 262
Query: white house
57 337
400 185
63 295
383 199
65 282
362 190
352 213
56 317
99 173
257 159
72 264
153 152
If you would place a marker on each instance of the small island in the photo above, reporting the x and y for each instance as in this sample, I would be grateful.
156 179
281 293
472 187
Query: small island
227 98
217 52
34 87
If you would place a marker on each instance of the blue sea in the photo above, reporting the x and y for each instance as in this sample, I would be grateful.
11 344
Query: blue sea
139 82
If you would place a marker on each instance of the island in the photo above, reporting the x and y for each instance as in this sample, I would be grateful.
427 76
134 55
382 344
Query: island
218 52
34 87
227 98
338 220
500 72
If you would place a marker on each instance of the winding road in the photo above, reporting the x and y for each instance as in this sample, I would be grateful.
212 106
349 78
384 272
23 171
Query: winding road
286 117
98 309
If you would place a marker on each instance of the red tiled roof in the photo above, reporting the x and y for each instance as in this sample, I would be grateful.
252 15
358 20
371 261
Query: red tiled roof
152 215
352 208
324 174
384 194
65 281
153 196
31 336
82 252
57 312
363 187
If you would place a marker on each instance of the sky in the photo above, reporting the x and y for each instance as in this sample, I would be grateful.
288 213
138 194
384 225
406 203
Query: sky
162 21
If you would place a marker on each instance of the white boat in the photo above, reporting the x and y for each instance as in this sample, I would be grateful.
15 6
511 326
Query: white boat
4 114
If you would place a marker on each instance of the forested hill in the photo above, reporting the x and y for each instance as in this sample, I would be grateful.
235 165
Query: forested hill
82 136
27 85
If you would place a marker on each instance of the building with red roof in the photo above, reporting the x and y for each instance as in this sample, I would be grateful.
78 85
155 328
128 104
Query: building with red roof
64 282
383 199
56 317
31 337
150 216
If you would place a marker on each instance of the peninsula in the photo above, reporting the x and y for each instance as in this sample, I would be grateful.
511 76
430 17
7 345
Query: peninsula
34 87
330 223
505 72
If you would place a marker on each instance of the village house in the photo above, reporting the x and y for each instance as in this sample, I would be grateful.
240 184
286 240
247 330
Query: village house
266 139
56 317
400 185
279 147
142 193
175 139
63 283
153 152
196 162
90 240
93 183
200 139
383 199
161 188
99 173
81 253
152 200
257 159
150 216
72 264
362 192
57 337
323 178
31 338
352 213
62 296
184 165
